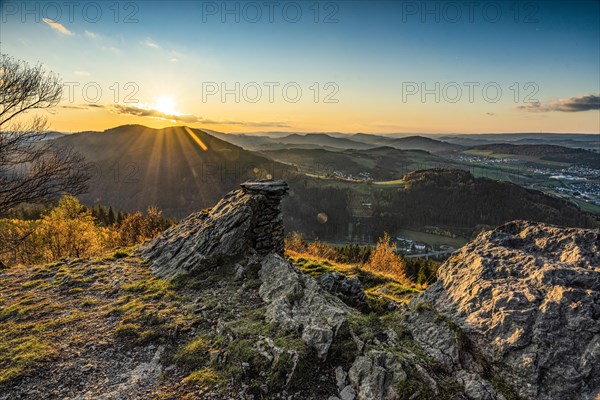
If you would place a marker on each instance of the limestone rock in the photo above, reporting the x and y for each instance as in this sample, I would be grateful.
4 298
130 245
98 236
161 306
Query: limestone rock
348 289
297 302
376 375
245 221
526 297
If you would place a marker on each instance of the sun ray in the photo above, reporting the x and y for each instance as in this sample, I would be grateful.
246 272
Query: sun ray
196 139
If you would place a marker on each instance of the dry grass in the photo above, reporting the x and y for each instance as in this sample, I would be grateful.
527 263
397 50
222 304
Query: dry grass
49 312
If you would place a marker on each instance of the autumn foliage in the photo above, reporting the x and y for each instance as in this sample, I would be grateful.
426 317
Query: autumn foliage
71 230
385 260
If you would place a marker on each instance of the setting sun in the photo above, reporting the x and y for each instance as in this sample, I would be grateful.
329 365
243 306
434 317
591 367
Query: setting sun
165 104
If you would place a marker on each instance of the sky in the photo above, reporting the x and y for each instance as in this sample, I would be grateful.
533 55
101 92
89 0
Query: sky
306 66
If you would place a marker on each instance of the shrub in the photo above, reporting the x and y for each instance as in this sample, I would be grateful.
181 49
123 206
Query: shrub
386 261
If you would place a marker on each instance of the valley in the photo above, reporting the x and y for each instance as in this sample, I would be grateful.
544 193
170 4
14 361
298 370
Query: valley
347 193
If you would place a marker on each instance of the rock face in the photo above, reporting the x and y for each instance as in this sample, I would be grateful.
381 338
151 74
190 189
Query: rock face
526 297
245 221
296 302
376 375
348 289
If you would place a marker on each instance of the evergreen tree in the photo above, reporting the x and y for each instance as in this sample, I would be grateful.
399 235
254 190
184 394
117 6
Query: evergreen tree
111 216
102 215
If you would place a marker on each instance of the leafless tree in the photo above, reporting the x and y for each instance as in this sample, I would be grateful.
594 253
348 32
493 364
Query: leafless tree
32 168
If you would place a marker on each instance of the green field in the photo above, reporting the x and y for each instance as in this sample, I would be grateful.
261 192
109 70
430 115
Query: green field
585 206
394 183
431 239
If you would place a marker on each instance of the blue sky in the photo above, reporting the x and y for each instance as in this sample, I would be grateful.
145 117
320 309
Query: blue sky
370 50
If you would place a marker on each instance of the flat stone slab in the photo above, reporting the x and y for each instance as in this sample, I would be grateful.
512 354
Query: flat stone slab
266 186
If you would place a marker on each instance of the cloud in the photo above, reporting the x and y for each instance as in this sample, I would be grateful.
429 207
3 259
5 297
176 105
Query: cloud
267 124
82 106
586 102
58 27
173 59
91 35
82 73
114 50
146 111
491 114
143 110
150 43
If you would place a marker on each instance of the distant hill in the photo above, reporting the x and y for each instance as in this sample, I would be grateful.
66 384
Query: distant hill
424 143
322 139
454 198
573 140
51 135
291 141
408 143
180 170
546 152
381 163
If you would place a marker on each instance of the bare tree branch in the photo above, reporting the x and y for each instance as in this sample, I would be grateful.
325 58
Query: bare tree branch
32 169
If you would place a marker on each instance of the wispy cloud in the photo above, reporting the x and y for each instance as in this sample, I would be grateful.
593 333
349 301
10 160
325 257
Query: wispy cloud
151 43
91 35
82 73
254 124
58 27
111 49
147 111
81 106
572 104
144 110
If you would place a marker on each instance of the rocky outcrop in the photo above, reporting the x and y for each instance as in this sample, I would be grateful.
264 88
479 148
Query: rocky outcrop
295 301
346 288
376 375
246 221
514 313
524 300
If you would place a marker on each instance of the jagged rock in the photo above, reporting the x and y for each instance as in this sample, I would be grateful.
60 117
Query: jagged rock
348 393
437 339
525 298
267 348
244 222
341 378
376 375
296 301
348 289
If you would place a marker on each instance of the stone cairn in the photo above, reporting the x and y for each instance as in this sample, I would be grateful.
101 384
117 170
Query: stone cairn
267 234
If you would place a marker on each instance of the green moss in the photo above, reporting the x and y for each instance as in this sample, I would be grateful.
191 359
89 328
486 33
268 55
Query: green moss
19 355
411 387
89 302
154 288
194 354
39 283
422 305
204 377
128 331
504 388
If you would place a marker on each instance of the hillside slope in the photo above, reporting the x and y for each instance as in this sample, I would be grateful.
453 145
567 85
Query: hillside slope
454 198
379 164
408 143
513 316
177 169
546 152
